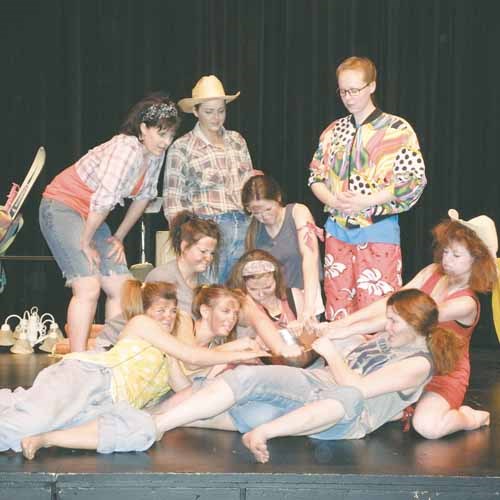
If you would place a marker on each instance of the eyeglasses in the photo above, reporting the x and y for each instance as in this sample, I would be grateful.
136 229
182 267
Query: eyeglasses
352 92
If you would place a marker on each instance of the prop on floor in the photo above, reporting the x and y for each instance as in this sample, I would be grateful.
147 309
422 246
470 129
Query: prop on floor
32 329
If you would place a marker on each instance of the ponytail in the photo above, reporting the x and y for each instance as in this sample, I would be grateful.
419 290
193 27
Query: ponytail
446 348
251 234
132 299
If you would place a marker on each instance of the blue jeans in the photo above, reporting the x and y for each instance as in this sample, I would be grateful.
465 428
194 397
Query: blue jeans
264 393
62 228
233 227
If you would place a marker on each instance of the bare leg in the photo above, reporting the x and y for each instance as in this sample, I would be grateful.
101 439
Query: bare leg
213 399
112 286
81 310
84 437
309 419
171 402
223 422
434 418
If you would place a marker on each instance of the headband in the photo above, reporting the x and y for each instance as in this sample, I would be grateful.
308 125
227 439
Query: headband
257 267
156 112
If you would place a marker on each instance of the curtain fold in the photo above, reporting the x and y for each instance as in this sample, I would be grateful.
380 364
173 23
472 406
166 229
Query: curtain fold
71 69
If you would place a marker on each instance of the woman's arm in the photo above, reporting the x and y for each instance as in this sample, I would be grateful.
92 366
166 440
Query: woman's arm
375 312
309 252
321 191
149 330
398 376
254 317
134 212
177 379
175 193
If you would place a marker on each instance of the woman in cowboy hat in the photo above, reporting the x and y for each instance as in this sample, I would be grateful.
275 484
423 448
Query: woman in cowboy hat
206 169
464 264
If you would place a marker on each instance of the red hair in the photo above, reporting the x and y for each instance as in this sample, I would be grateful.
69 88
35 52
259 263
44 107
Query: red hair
421 312
483 273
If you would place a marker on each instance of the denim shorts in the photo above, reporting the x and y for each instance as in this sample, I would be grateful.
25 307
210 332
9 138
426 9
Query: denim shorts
264 393
233 228
62 228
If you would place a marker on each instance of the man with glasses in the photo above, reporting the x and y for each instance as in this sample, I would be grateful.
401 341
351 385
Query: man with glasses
367 169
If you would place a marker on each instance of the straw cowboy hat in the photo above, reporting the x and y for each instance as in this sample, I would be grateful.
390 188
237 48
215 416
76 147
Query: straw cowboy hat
485 229
483 226
207 87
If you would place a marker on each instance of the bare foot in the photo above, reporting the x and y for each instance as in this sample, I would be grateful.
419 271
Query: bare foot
476 418
256 442
31 444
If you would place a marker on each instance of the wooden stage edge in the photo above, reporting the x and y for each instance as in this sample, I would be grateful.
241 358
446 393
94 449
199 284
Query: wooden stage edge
191 464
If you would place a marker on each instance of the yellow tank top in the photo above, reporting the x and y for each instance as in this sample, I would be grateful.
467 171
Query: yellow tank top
140 371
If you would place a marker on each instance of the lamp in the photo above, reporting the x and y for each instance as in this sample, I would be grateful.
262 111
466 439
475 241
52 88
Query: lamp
6 335
31 330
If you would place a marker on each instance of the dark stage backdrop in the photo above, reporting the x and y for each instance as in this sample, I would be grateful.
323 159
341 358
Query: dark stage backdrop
71 68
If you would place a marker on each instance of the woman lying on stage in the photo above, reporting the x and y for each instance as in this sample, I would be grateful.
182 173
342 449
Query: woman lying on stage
463 265
114 385
345 400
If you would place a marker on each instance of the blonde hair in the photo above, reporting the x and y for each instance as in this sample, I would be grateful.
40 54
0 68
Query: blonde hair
363 64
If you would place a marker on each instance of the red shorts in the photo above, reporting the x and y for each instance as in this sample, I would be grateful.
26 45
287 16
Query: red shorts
357 275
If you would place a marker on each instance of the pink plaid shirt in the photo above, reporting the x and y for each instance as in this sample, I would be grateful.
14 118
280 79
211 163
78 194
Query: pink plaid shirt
112 170
204 178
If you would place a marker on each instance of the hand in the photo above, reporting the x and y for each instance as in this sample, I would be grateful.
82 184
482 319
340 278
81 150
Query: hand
324 347
295 328
352 203
117 251
247 355
92 255
243 344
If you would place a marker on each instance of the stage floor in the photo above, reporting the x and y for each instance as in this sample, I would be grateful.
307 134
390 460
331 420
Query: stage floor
204 464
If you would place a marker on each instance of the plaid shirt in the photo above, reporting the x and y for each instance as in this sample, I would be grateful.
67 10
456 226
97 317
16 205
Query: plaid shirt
204 178
383 152
112 170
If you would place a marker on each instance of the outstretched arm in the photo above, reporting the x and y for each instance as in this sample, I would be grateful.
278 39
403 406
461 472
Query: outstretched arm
253 316
149 330
399 376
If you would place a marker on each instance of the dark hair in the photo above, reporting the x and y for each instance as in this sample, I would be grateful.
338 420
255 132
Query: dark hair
154 110
258 187
236 280
483 274
421 312
209 294
188 227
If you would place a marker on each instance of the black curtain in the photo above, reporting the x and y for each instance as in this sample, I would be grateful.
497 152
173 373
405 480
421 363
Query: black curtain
71 69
